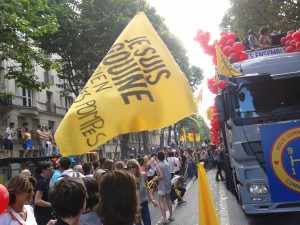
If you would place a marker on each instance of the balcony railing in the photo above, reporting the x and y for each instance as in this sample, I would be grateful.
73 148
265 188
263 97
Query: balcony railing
51 107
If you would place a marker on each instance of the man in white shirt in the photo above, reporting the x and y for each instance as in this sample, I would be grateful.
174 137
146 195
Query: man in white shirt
7 141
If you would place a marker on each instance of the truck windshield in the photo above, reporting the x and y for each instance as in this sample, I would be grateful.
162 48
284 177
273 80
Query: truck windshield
268 98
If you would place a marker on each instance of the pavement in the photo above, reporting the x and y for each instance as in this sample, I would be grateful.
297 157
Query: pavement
187 214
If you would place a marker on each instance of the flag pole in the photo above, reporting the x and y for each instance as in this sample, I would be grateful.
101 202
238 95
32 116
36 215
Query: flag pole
195 146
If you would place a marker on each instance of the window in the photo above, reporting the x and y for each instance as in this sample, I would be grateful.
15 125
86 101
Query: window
69 102
27 97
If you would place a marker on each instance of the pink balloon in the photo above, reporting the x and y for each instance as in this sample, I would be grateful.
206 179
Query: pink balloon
227 50
244 56
237 47
4 198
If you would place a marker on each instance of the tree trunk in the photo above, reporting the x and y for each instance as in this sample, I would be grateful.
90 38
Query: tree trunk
169 135
162 138
175 135
146 142
124 145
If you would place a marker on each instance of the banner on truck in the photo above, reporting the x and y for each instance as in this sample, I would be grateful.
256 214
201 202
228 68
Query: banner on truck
280 144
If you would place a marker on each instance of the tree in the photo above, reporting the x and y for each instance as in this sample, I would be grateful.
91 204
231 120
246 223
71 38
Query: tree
253 14
21 22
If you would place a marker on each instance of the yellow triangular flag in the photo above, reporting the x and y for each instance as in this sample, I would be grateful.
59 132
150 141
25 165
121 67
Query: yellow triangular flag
207 210
137 86
200 95
190 136
223 65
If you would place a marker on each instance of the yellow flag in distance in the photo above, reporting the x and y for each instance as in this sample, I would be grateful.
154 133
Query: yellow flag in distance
138 86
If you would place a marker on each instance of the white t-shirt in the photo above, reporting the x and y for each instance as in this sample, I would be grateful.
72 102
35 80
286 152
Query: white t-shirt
171 162
8 132
177 162
6 217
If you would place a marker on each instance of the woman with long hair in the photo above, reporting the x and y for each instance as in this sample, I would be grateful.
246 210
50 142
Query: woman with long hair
143 190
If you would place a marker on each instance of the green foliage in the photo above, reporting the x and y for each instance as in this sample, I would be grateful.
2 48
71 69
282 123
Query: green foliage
20 22
253 14
86 35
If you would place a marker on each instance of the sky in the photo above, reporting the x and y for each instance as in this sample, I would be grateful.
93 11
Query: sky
184 18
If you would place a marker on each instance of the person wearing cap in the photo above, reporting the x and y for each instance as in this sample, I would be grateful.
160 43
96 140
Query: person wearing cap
7 141
120 165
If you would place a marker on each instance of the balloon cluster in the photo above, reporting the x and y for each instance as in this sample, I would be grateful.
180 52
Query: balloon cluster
215 126
231 49
291 41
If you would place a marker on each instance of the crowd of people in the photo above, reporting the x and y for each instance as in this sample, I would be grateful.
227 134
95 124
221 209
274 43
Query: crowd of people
264 40
101 192
44 136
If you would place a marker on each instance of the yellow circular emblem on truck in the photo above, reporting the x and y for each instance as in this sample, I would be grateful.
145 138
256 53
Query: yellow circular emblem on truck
284 160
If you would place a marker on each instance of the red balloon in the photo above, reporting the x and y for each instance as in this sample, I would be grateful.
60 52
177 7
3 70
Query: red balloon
237 47
289 49
290 32
296 35
234 57
223 33
244 56
215 89
214 60
4 198
293 43
222 84
227 50
287 43
230 42
223 40
289 37
283 40
232 36
298 44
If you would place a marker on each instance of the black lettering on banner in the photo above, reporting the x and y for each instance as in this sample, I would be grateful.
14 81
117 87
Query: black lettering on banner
131 82
138 95
82 95
167 74
90 122
116 47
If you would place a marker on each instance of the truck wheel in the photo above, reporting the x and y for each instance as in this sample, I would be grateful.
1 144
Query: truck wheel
229 176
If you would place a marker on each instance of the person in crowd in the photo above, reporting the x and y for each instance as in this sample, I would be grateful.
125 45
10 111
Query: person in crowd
183 162
101 162
143 190
42 206
41 140
177 163
108 165
28 145
120 165
57 173
78 169
118 199
172 163
88 169
191 164
21 191
217 158
264 39
68 199
253 43
98 175
245 42
8 140
164 187
67 171
96 164
203 156
48 141
26 172
89 216
178 190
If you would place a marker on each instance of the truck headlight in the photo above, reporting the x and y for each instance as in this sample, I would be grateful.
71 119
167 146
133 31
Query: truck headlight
258 189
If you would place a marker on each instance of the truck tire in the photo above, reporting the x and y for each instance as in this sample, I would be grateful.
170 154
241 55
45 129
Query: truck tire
229 176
